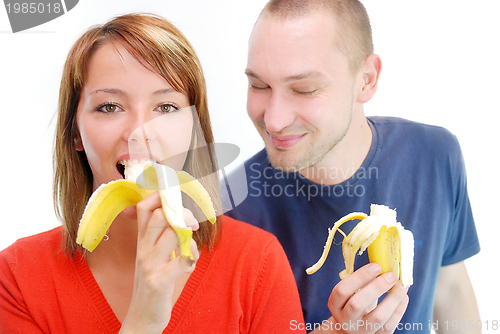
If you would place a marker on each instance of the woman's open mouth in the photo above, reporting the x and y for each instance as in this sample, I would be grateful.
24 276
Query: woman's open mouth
122 165
121 168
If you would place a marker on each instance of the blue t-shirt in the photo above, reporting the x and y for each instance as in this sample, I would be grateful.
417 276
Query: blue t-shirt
414 168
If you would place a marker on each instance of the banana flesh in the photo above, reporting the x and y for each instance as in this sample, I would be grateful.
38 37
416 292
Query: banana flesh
388 243
141 179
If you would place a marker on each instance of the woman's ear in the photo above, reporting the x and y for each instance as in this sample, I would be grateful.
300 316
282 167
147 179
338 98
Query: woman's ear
370 75
78 142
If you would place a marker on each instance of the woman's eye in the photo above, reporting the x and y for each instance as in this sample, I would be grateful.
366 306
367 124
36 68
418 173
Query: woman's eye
108 108
167 108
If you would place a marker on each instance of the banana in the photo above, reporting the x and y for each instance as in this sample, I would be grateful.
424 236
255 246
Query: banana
141 179
103 206
193 188
388 243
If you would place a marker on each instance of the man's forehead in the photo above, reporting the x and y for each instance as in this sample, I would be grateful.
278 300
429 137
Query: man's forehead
297 22
312 31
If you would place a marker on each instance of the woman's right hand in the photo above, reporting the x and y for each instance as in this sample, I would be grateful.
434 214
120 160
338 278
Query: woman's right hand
155 270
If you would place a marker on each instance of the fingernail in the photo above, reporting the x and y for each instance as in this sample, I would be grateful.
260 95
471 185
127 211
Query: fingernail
390 277
405 300
374 268
400 286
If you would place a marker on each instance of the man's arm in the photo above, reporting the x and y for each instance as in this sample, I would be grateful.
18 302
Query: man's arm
455 305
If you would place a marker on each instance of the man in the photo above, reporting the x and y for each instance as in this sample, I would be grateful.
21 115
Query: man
310 69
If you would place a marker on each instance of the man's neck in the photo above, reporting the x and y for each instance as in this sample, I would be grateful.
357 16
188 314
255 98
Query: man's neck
344 160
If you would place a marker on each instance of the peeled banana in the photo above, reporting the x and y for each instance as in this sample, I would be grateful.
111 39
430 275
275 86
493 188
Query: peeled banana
388 243
141 179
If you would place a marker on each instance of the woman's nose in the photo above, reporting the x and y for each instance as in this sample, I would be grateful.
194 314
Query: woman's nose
141 129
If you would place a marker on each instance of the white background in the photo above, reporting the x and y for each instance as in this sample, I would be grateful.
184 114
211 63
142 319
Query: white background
441 66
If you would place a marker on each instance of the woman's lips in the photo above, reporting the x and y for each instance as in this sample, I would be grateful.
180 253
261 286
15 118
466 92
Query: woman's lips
285 142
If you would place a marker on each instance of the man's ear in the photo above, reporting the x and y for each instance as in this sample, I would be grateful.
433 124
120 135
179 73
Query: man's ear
78 142
370 75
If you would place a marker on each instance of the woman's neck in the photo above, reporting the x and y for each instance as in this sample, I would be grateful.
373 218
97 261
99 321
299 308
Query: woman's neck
120 245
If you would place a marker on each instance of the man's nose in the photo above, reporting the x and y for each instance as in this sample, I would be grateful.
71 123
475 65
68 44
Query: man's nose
279 113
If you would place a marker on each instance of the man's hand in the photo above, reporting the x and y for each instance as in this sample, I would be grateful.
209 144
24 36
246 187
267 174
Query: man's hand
352 300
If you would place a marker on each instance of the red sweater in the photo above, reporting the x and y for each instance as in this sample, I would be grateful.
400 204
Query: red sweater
245 285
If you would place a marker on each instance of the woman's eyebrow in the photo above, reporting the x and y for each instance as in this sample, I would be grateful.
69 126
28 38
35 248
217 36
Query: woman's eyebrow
110 91
165 91
117 91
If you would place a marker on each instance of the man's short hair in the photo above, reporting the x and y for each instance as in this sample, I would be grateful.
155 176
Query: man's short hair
353 24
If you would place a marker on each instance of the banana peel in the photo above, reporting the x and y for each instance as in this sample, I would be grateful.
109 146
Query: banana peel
388 243
141 179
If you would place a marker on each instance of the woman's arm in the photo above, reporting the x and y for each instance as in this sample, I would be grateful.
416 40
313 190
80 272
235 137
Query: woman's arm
276 305
15 317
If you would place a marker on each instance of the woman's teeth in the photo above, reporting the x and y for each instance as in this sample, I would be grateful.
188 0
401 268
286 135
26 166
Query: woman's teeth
134 167
129 163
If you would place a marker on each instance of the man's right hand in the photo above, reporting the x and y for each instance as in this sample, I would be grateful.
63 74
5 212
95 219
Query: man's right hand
352 299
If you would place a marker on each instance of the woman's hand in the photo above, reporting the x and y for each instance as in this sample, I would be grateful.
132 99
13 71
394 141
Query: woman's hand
155 270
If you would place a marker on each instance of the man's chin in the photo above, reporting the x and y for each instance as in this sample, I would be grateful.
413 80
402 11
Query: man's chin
285 161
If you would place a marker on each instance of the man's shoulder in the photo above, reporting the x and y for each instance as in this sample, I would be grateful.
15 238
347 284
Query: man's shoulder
241 191
403 131
387 122
251 167
258 162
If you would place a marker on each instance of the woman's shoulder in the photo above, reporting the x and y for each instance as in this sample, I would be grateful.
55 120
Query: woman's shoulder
245 232
32 249
244 241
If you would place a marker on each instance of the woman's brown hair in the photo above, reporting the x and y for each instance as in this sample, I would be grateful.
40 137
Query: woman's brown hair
161 47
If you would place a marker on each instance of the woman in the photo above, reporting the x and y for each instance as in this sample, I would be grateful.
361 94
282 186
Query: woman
118 79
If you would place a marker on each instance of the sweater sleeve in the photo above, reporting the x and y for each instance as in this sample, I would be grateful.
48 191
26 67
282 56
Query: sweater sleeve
15 317
276 306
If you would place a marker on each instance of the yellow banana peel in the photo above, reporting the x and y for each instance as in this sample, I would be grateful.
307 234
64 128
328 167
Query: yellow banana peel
388 243
141 179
